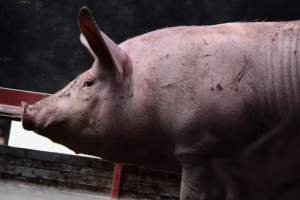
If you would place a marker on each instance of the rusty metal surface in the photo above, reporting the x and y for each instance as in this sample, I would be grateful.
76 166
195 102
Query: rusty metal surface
115 190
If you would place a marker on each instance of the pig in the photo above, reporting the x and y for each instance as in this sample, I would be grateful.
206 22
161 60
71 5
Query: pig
220 103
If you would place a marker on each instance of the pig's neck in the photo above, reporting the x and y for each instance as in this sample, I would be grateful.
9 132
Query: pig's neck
135 131
149 144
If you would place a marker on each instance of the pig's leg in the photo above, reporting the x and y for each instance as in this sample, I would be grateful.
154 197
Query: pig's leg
200 183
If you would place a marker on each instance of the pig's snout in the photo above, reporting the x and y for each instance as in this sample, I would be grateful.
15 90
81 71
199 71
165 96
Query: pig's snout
27 115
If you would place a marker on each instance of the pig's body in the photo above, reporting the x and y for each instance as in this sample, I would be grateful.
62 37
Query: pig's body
221 92
222 100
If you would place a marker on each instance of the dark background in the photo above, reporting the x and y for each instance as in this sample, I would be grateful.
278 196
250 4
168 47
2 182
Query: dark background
40 48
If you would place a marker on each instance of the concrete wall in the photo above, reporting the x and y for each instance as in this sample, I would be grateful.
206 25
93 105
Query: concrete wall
17 190
29 174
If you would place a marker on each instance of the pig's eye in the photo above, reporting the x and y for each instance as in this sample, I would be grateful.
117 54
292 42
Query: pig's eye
88 83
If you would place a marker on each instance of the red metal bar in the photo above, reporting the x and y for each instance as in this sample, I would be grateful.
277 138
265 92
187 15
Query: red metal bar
10 101
14 97
115 191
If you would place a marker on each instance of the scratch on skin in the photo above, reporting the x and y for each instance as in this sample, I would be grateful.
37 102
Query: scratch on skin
166 57
241 74
206 55
172 84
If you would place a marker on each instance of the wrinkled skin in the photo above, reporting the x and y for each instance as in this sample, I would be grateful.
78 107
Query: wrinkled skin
220 101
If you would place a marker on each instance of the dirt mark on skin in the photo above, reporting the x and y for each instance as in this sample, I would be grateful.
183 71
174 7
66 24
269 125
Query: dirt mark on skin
275 37
219 87
206 55
172 84
241 73
166 57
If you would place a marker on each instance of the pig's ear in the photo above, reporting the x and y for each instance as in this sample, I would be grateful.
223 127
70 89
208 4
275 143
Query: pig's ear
111 57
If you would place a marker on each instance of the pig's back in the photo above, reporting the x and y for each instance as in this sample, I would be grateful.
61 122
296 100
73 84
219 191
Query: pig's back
203 69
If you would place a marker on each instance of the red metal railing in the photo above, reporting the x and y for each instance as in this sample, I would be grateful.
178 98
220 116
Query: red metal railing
14 97
10 102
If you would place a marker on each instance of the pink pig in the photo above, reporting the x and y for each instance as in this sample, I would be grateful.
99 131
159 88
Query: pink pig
220 102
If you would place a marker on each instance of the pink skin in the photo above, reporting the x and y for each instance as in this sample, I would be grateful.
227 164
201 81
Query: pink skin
43 115
206 97
95 114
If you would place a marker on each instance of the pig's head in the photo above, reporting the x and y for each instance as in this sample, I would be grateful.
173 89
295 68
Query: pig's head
81 114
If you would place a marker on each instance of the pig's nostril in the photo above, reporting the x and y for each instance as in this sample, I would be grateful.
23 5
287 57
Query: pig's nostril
26 107
30 108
